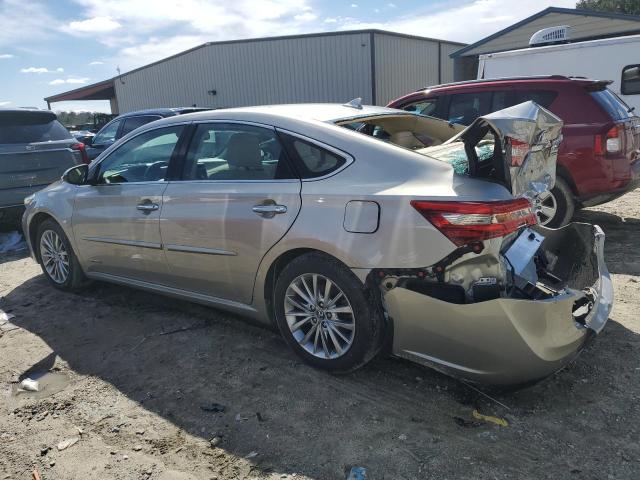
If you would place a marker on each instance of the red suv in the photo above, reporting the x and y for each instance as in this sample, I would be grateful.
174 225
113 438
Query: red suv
599 158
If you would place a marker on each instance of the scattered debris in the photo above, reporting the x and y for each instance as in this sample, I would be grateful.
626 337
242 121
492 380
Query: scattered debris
486 395
80 431
140 431
5 324
252 455
35 475
213 407
44 451
69 442
240 418
488 418
29 385
215 441
402 437
137 448
463 422
357 473
52 463
125 457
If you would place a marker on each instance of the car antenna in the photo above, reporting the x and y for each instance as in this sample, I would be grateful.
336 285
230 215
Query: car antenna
355 103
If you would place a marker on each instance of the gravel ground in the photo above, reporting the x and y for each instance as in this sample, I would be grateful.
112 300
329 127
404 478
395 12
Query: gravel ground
144 383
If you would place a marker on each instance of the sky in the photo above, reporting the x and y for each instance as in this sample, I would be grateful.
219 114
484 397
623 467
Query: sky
48 47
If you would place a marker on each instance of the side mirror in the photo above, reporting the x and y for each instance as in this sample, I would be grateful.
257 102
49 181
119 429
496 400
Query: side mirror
88 140
76 175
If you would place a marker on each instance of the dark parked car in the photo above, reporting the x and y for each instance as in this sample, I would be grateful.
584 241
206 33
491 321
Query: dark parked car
35 150
599 159
128 122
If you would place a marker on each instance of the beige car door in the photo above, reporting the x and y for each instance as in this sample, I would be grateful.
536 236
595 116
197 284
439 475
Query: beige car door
238 198
116 222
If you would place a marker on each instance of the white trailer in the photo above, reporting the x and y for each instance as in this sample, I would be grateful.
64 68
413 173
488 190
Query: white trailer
616 59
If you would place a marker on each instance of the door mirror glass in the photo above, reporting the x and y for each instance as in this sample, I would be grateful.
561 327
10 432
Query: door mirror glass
76 175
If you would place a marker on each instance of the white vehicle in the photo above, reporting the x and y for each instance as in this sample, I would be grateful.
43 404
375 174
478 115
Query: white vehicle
616 59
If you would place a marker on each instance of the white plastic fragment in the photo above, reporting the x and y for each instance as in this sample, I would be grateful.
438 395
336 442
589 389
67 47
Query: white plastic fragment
69 442
29 385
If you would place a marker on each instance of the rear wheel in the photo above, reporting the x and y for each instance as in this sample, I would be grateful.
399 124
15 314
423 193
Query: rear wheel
57 258
325 314
555 208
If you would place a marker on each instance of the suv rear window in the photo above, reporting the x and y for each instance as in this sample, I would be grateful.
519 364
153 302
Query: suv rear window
610 102
20 128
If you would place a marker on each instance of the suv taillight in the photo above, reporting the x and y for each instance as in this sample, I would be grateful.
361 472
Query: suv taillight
83 151
610 142
466 222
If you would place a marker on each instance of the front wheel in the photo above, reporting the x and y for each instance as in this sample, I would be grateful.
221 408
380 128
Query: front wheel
326 314
57 259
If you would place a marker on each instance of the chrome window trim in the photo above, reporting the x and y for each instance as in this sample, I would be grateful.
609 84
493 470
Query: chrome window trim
349 159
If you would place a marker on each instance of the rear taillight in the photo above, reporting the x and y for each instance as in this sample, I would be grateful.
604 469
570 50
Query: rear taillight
466 222
610 142
519 151
83 151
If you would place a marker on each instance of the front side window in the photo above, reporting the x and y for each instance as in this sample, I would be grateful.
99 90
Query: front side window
108 133
131 123
144 158
630 84
227 151
423 107
466 107
311 160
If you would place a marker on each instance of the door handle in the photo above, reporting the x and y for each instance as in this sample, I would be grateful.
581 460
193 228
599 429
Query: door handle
269 210
148 207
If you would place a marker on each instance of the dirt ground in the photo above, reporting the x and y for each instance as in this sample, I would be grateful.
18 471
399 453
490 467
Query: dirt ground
145 382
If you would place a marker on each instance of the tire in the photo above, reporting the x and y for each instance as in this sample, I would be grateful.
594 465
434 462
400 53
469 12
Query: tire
365 337
561 198
50 238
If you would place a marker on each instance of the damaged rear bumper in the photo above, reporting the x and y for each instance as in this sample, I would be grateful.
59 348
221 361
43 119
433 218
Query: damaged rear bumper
510 340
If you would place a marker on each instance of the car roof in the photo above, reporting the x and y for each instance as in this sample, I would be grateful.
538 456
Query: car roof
163 112
322 112
532 79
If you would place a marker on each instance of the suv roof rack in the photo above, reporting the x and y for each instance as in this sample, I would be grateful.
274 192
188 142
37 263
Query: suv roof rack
482 80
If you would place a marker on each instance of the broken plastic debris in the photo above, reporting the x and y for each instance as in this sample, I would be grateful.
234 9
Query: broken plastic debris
488 418
69 442
252 455
29 385
357 473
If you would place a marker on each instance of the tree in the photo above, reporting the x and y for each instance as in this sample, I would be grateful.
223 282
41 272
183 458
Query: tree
631 7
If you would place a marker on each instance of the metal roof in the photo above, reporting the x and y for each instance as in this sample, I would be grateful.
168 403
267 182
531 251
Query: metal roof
542 13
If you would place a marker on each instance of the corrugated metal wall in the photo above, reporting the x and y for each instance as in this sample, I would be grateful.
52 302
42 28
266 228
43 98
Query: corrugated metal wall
406 64
332 68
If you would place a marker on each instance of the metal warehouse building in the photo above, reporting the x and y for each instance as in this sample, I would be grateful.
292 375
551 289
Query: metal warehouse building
326 67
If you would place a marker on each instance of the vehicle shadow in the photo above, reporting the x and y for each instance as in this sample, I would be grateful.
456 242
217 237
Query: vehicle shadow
621 244
397 419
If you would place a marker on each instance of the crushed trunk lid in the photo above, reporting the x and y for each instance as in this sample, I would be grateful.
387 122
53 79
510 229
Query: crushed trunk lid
521 155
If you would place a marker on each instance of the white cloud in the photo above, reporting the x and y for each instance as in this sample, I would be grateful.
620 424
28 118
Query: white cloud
96 62
35 70
6 55
25 23
94 25
468 22
70 80
330 20
354 5
4 104
306 17
59 69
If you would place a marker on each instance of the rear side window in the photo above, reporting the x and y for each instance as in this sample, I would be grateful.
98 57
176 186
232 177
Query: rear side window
311 160
423 107
29 129
464 108
610 102
131 123
630 80
544 98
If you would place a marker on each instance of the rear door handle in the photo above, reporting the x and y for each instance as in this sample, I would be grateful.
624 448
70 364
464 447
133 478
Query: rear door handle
269 210
148 207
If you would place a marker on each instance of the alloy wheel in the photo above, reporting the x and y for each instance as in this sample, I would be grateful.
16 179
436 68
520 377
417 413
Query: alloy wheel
546 207
55 257
319 316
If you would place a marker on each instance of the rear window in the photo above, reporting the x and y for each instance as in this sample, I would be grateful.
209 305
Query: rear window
610 102
19 128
